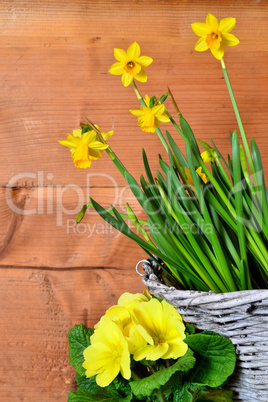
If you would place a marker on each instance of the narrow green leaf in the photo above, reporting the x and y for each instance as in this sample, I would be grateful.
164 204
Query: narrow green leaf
245 281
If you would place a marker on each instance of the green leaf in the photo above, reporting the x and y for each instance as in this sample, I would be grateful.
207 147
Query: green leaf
182 394
187 392
216 395
118 389
88 385
81 396
215 358
79 340
147 385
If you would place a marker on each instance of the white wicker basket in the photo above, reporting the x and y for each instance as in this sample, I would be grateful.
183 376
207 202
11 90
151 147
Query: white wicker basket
240 316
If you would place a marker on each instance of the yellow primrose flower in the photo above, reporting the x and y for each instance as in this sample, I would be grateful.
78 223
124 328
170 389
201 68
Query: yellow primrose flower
199 172
130 64
132 300
215 35
207 157
108 354
121 313
85 147
161 326
149 118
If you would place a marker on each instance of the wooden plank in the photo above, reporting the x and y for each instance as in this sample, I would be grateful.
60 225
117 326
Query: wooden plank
38 229
54 65
38 308
52 77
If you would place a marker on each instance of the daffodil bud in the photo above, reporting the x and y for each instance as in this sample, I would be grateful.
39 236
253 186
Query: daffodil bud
81 214
163 97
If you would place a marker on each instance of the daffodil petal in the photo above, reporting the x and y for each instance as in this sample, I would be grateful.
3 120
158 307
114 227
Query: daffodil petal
218 53
133 52
116 69
227 24
230 39
74 140
212 22
147 100
120 55
158 109
94 153
201 45
136 112
200 28
77 133
163 118
126 79
107 134
98 145
67 143
144 61
141 76
89 137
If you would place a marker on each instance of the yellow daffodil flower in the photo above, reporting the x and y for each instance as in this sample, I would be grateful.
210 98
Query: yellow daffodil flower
149 118
215 35
199 172
130 64
108 354
85 147
207 157
161 326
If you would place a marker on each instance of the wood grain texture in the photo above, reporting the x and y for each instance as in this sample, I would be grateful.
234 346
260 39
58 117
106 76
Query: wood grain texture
37 310
54 63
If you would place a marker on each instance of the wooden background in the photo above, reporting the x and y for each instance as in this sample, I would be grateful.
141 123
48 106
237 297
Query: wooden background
54 63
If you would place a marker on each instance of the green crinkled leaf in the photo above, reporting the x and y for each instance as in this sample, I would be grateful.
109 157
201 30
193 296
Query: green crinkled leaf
88 385
119 388
187 392
79 340
216 395
215 358
81 396
145 387
122 385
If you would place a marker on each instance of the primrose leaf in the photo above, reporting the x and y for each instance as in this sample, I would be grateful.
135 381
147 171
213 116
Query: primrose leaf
215 358
216 395
82 396
79 340
146 386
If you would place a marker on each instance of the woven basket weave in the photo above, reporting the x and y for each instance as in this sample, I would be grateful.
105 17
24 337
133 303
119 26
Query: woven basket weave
240 316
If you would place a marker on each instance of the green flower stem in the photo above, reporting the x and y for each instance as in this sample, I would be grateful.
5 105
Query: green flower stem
238 118
116 161
158 131
175 125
